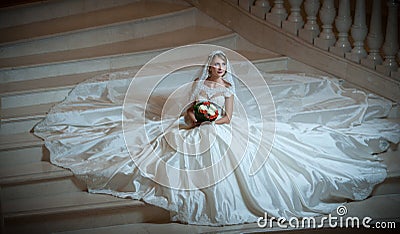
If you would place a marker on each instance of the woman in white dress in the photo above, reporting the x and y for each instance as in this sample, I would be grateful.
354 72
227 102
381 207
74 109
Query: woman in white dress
322 153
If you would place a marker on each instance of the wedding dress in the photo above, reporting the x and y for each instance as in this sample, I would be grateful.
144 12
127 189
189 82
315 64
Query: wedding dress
324 151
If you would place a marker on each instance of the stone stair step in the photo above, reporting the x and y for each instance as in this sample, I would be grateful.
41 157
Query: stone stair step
65 183
88 20
389 186
18 141
183 36
392 183
45 84
103 35
40 10
13 157
112 56
379 207
170 228
31 173
392 159
18 127
25 113
52 205
374 207
37 179
33 97
68 211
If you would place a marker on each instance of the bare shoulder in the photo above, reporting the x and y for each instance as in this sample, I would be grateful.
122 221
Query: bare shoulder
197 79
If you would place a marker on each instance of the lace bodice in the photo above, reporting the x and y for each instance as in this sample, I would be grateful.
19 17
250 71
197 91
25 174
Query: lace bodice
216 95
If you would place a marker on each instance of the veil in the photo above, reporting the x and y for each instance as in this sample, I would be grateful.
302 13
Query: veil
227 77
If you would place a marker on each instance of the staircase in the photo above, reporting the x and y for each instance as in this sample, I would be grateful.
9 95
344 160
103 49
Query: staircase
45 50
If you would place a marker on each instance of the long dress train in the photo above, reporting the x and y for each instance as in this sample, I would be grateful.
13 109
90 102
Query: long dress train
324 153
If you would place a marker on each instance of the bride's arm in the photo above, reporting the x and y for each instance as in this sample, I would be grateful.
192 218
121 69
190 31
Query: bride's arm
190 110
228 111
190 113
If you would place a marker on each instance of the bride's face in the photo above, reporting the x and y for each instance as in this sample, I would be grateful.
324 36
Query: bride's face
217 67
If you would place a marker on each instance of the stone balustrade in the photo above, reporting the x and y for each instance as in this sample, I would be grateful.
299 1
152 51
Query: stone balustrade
353 29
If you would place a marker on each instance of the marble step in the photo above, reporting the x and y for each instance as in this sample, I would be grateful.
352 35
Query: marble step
37 179
46 10
19 141
45 84
133 21
392 183
13 157
18 127
42 188
379 208
31 173
136 10
68 211
20 149
163 40
26 112
108 57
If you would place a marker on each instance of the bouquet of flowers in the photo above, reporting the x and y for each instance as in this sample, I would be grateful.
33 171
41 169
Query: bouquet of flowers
205 111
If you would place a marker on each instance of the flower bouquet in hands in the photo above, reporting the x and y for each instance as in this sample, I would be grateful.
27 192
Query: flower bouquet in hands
205 111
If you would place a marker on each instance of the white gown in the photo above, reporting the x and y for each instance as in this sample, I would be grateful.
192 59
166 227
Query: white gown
324 152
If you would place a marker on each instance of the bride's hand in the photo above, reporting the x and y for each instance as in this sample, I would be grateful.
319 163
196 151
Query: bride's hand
192 118
194 121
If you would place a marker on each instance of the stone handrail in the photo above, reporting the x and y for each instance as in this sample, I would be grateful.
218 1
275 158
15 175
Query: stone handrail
339 19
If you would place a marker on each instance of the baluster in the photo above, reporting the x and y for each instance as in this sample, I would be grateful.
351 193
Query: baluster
295 20
246 4
278 13
260 8
358 33
311 28
375 37
391 45
326 38
343 24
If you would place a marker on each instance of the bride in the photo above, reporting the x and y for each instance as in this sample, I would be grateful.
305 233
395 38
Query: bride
289 145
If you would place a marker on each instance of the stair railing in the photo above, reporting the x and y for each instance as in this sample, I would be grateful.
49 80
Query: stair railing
332 28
